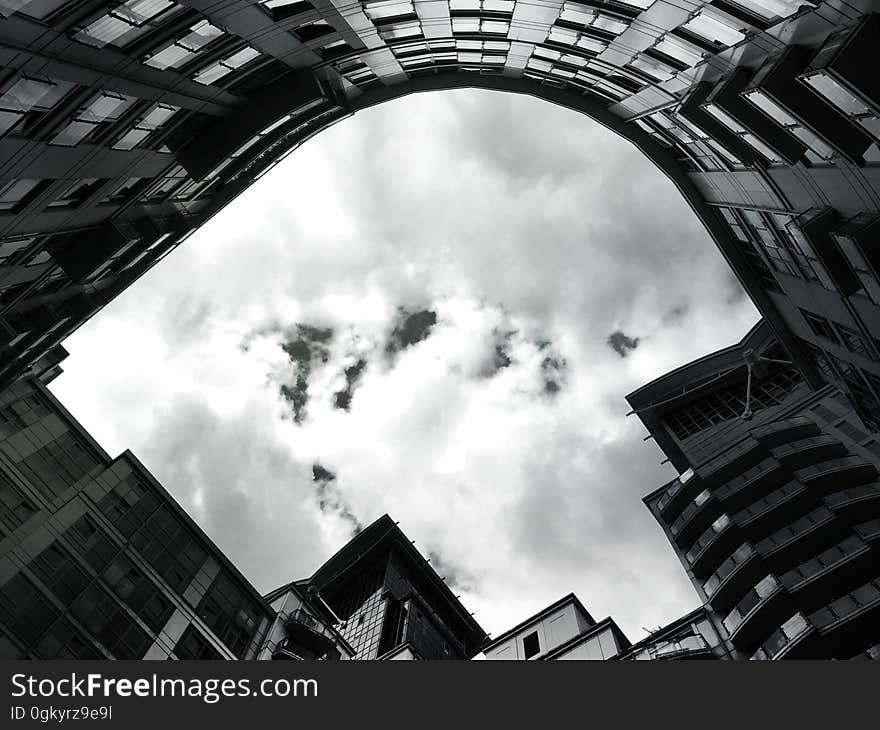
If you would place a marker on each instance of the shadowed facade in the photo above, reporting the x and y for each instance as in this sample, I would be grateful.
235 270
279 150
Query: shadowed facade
126 125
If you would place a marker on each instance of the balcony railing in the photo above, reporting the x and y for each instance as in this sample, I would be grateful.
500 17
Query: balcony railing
796 531
683 648
707 538
853 495
758 612
863 600
740 556
752 600
674 489
735 459
829 474
783 639
285 650
869 530
310 622
824 563
803 452
779 432
308 634
744 488
695 517
787 495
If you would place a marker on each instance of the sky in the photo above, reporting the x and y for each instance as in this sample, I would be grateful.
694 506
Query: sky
433 309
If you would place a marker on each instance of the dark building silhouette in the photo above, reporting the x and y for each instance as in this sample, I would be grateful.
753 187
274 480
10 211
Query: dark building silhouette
125 125
776 513
391 603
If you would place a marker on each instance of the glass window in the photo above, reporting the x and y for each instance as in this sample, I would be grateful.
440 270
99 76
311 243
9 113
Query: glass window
657 70
770 9
29 97
58 465
25 610
15 508
15 193
718 29
75 193
680 50
185 48
103 617
230 613
588 17
388 9
225 66
124 23
817 152
193 645
102 109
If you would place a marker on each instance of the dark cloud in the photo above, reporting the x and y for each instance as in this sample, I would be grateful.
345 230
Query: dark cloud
410 329
353 373
621 343
307 347
320 474
330 499
500 353
553 367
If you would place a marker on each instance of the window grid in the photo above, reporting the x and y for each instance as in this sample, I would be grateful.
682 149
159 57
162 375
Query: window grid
730 402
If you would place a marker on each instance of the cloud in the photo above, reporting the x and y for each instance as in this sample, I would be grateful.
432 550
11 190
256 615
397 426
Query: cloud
410 329
621 343
490 259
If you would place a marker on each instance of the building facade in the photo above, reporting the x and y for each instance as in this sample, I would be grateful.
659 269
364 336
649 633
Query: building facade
776 513
97 561
564 630
391 603
125 125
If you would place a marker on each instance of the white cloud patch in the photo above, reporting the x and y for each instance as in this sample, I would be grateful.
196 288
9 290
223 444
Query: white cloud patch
531 233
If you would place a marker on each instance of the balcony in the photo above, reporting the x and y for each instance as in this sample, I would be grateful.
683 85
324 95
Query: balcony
713 545
307 637
676 495
757 613
831 572
789 641
773 510
800 537
850 622
695 518
869 531
746 487
855 499
733 577
808 451
829 475
733 461
688 647
781 432
285 650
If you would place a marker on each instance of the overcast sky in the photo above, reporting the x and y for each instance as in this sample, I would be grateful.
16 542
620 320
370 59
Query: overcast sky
435 310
